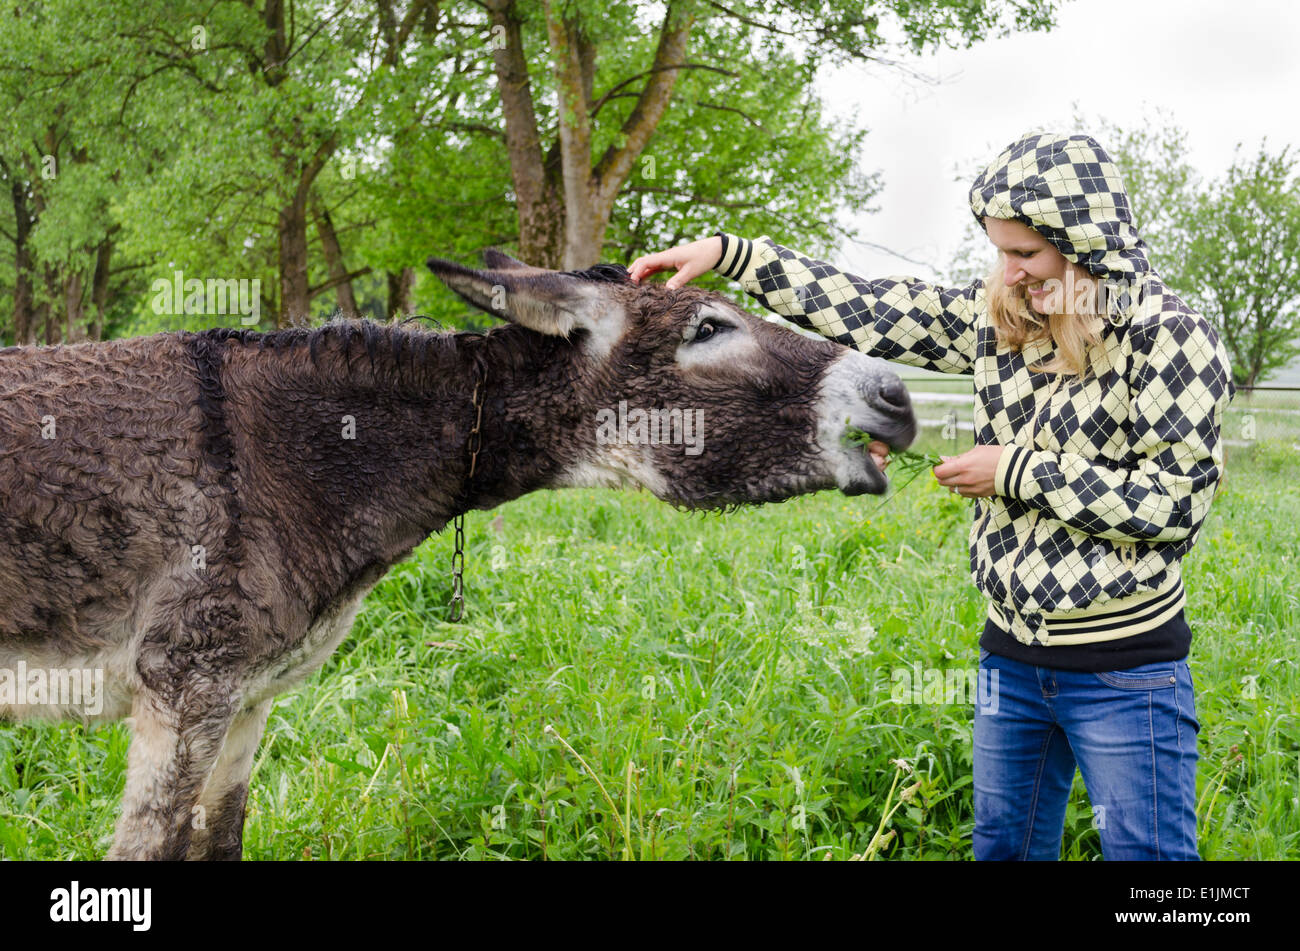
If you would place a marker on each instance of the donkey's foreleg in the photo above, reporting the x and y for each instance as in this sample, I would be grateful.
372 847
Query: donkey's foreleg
173 749
219 823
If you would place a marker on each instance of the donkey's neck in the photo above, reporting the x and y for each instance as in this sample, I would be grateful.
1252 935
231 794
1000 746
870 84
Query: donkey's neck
529 406
355 454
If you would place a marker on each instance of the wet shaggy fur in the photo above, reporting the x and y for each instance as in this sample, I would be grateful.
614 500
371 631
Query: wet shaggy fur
200 514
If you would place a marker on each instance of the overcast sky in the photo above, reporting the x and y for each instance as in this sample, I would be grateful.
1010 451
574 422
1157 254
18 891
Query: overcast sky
1224 72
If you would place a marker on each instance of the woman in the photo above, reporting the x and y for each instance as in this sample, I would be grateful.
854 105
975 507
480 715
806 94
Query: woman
1099 400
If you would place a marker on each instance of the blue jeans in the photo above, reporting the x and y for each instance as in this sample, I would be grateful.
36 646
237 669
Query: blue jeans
1132 734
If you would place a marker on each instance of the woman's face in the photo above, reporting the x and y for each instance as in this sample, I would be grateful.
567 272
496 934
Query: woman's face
1050 282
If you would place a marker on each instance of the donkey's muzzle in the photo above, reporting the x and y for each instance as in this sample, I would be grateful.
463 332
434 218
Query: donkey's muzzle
889 407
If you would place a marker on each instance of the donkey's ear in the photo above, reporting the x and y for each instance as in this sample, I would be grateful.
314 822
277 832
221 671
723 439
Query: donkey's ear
497 260
549 302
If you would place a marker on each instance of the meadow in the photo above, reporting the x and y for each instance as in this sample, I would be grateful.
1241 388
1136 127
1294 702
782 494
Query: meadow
634 682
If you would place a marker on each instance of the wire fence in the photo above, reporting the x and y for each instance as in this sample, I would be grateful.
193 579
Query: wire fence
1256 414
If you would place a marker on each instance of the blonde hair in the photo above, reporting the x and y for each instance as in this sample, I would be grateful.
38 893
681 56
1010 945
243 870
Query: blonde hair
1017 326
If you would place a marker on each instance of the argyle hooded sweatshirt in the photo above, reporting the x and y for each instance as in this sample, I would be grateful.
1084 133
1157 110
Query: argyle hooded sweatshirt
1109 476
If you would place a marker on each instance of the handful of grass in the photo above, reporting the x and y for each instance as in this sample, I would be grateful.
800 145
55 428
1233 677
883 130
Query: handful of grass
904 461
910 464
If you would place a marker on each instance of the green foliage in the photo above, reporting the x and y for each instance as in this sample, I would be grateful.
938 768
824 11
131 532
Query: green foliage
749 152
180 137
1243 262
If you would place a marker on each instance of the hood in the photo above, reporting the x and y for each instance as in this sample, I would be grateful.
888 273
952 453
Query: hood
1067 189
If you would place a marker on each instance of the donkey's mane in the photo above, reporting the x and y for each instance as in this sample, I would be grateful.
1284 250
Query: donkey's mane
396 353
612 273
416 344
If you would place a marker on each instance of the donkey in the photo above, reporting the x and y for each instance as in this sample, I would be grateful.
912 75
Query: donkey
198 516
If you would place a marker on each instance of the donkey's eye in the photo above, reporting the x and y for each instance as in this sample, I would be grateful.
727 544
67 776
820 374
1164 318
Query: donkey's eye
708 328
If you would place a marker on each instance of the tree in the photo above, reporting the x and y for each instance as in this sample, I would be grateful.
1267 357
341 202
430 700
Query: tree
323 148
615 70
1229 247
628 126
285 85
58 166
1161 182
1243 262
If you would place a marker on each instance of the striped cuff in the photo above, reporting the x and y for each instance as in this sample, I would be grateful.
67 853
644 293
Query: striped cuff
1012 475
737 252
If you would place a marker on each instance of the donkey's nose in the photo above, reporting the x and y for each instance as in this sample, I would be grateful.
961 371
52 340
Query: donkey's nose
888 409
885 392
894 393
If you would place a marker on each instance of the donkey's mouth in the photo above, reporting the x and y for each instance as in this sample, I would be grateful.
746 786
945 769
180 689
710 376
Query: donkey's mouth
861 488
870 479
898 434
856 470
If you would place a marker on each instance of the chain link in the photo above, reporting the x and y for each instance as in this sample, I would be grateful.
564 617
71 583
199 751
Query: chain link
458 556
457 572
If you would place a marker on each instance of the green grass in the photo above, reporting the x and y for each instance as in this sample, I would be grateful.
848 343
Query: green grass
726 681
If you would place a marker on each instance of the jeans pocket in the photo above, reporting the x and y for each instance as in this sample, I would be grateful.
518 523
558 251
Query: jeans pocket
984 655
1145 677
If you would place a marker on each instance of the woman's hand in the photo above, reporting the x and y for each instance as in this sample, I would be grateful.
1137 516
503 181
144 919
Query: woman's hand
971 474
688 260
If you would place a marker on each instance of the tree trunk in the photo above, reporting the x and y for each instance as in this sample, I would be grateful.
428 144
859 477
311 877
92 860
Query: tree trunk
47 312
99 287
74 308
399 294
24 317
589 189
614 168
295 292
275 51
539 200
295 299
338 271
569 54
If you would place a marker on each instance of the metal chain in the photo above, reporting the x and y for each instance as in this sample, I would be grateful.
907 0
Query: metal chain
457 572
458 556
